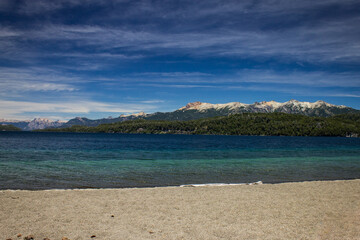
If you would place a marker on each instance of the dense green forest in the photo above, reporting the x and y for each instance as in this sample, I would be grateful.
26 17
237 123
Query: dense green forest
9 128
276 124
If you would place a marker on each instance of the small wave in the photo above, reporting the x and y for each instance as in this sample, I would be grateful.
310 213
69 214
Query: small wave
220 184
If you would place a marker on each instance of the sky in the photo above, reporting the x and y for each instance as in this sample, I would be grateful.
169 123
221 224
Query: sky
61 59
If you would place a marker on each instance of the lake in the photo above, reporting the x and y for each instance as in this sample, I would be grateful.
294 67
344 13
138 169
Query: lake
41 160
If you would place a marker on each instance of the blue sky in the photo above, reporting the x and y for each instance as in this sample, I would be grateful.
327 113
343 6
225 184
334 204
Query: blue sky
97 58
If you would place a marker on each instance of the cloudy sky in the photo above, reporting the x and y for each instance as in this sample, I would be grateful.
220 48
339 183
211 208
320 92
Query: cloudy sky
99 58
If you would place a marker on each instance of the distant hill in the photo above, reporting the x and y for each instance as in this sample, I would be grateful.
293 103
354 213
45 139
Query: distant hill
81 121
4 127
19 124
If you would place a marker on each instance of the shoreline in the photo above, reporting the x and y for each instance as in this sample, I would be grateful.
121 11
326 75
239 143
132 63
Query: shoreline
291 210
181 134
186 134
190 185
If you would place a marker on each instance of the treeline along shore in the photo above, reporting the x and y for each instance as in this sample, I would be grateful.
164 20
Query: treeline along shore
268 124
9 128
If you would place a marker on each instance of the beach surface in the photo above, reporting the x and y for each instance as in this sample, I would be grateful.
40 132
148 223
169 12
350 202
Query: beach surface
304 210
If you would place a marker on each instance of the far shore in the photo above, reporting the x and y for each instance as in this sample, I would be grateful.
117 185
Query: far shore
303 210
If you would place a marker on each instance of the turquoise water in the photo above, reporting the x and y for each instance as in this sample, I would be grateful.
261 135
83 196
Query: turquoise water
30 160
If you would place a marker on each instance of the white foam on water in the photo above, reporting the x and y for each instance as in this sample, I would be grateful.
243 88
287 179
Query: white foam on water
220 184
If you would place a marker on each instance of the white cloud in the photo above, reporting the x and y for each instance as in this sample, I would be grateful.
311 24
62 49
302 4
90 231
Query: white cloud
255 76
300 78
173 74
28 110
152 101
46 74
324 42
10 87
6 32
42 6
15 80
343 95
172 85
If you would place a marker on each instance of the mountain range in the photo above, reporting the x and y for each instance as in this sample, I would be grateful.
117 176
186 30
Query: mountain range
36 123
197 110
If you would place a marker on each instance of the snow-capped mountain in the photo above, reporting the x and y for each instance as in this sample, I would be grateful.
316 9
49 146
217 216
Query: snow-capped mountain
318 108
41 123
196 110
36 123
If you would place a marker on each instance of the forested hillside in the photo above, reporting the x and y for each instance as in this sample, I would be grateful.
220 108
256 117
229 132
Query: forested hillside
277 124
9 128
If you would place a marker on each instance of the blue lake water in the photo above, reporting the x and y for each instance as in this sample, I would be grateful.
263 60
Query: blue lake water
31 160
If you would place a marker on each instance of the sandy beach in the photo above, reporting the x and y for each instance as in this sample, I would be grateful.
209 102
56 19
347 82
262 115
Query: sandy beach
306 210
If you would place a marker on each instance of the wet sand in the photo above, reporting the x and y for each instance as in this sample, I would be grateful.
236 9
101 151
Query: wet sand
306 210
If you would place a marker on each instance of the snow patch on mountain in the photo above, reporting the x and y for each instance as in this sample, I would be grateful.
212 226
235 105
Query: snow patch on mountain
140 114
42 123
271 106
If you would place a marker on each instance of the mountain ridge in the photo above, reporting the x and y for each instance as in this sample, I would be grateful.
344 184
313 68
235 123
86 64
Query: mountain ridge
36 123
270 104
197 110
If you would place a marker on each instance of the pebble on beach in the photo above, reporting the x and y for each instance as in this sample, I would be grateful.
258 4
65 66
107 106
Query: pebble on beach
19 235
29 237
